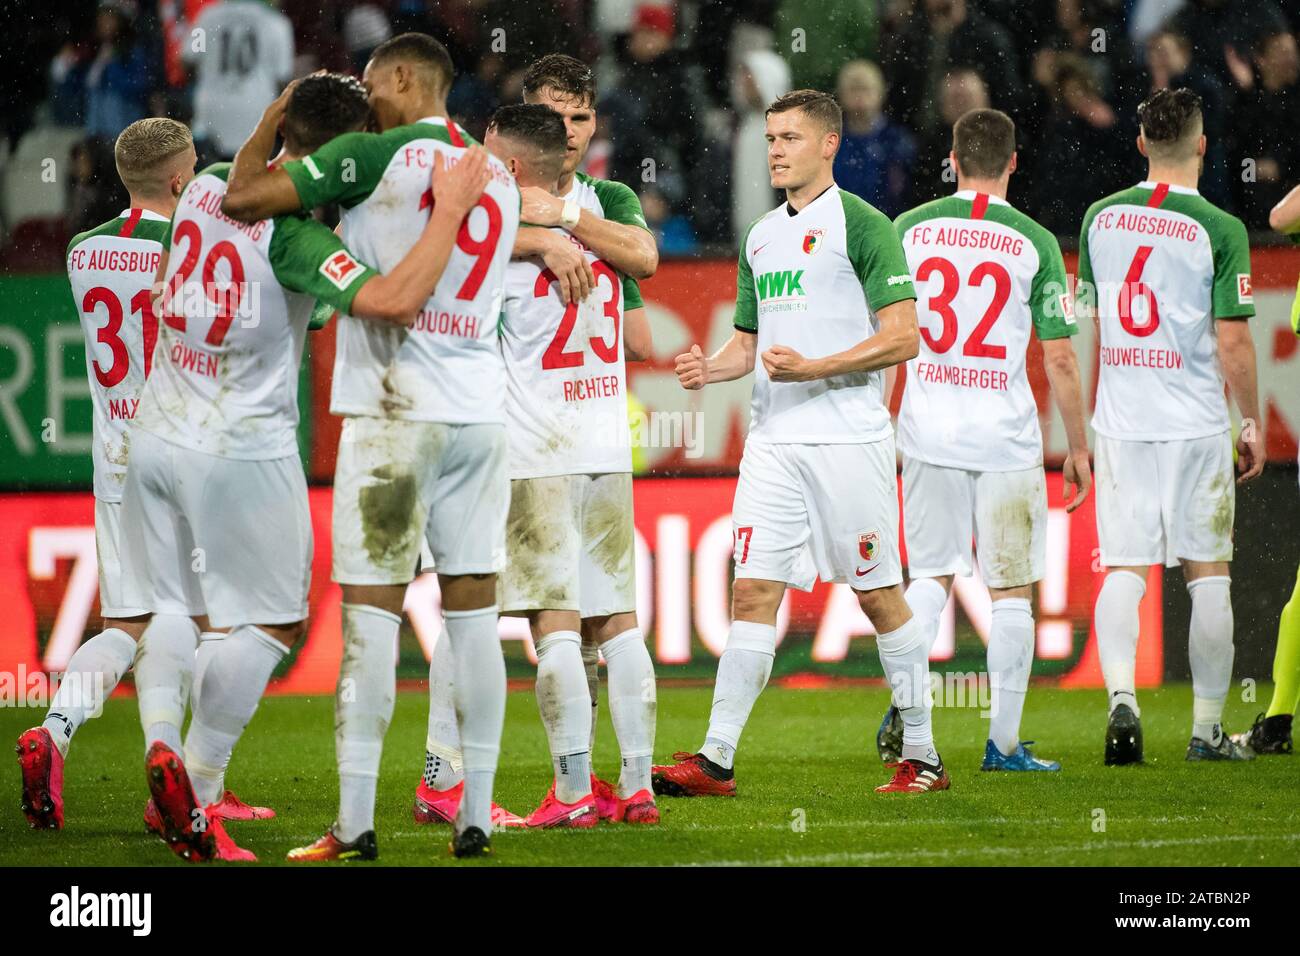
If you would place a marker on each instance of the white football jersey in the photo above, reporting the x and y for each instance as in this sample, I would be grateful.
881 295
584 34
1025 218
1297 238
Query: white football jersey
238 297
111 270
566 399
448 367
1160 264
813 281
985 275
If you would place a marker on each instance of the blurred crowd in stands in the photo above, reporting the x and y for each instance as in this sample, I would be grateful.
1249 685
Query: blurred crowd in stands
682 90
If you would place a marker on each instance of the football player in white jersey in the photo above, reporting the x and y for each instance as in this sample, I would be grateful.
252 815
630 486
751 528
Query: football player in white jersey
111 270
423 449
987 276
825 301
1167 277
605 218
215 517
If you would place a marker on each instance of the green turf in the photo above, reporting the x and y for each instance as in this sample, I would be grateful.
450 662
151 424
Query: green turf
806 771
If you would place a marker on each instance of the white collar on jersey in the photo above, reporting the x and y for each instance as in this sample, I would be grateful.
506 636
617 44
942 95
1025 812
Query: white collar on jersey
970 194
1185 190
144 214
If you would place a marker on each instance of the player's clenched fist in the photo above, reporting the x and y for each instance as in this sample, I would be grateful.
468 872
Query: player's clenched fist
784 364
693 368
460 185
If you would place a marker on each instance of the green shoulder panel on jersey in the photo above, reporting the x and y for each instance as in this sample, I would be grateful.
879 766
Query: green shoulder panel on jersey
1231 248
347 169
306 256
1050 304
148 229
876 253
746 317
945 206
1084 289
618 203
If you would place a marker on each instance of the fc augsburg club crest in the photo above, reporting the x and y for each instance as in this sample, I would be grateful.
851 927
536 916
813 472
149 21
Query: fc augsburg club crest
812 240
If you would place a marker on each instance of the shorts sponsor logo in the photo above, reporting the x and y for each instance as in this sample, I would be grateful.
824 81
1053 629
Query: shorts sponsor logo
341 269
1245 294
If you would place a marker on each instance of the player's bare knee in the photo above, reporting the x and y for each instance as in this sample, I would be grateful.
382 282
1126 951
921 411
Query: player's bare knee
286 634
132 626
608 626
756 600
1025 593
885 607
386 597
542 623
467 592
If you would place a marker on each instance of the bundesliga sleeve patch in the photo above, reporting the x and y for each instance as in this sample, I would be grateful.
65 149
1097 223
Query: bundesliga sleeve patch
1067 308
1245 295
341 269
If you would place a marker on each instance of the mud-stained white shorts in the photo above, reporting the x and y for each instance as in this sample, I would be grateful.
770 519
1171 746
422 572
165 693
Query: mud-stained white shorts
1159 501
225 537
570 545
1005 512
108 545
808 511
398 483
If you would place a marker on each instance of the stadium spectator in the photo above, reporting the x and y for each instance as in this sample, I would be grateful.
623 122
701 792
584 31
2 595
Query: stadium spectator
106 91
1222 32
816 37
959 91
1267 119
243 56
759 78
876 155
1170 65
940 36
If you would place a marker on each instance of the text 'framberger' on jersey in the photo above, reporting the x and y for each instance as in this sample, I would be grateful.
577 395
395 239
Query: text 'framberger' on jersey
985 275
1159 264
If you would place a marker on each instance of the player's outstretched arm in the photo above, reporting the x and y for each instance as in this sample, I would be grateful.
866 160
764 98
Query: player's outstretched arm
1063 374
896 341
254 192
399 294
637 342
562 257
1285 216
734 360
1237 358
629 249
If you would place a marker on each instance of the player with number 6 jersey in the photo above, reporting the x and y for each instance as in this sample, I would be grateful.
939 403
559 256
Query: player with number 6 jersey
215 505
1167 276
423 449
111 270
988 276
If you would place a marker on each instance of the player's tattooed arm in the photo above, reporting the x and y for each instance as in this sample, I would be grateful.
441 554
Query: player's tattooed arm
254 192
400 293
1237 358
561 256
1063 373
629 249
637 342
734 360
1285 216
896 341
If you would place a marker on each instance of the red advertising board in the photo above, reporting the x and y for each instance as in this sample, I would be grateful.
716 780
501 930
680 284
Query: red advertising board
49 592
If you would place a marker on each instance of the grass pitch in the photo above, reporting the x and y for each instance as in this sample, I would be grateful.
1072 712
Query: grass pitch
806 772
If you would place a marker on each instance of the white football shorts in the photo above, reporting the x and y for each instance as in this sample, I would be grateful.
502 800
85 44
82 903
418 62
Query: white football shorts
1005 512
108 545
225 537
1161 501
834 504
400 482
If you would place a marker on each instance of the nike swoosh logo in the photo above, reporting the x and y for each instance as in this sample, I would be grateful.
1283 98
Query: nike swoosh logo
760 248
862 574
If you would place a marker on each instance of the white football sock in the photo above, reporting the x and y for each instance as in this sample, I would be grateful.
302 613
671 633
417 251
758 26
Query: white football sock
927 599
90 677
632 707
1210 651
208 642
442 758
1010 657
565 705
164 670
905 657
743 670
233 683
363 708
480 693
1117 625
591 663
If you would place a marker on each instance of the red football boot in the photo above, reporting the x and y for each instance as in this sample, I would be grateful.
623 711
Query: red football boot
913 776
552 813
606 798
441 806
638 808
330 847
42 769
693 775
